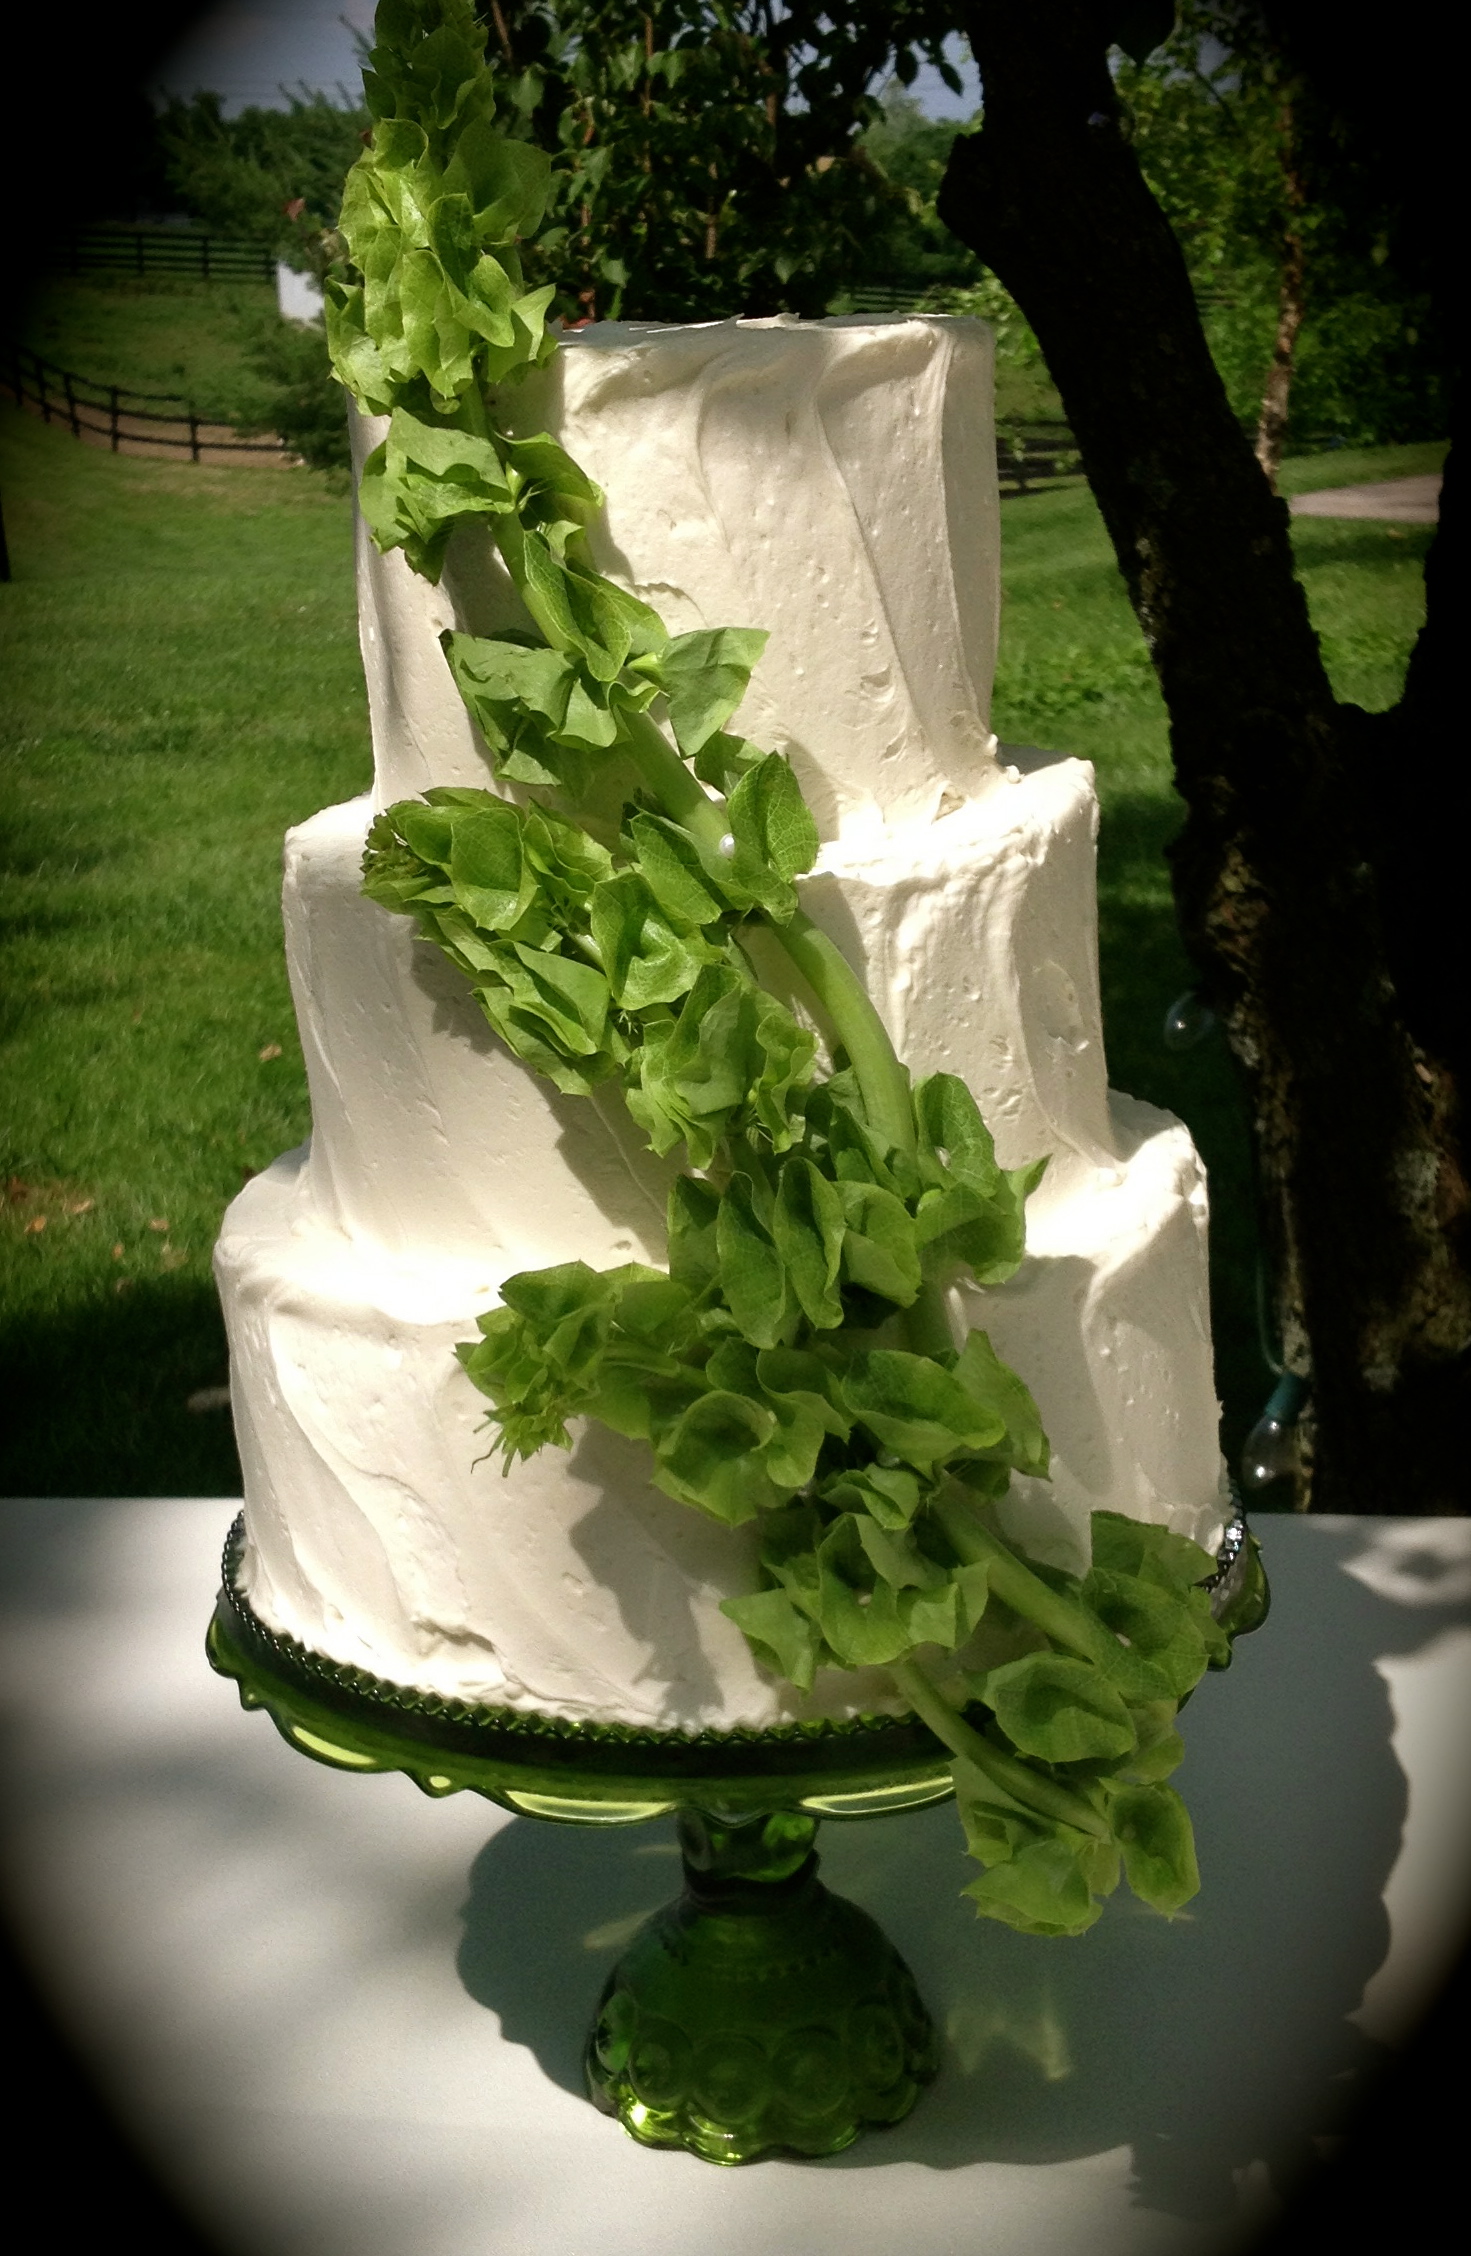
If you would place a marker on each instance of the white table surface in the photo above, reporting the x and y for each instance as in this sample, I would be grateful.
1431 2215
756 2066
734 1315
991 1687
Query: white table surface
343 2020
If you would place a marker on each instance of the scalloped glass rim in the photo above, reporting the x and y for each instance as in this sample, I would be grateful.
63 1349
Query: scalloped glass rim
583 1773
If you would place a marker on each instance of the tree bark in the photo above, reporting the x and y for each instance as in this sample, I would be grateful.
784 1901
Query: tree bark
1271 431
1356 1111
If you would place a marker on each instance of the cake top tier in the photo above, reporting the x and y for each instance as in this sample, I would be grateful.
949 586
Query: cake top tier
831 481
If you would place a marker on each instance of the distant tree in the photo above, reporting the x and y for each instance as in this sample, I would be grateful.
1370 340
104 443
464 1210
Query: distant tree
709 154
274 176
1311 324
913 244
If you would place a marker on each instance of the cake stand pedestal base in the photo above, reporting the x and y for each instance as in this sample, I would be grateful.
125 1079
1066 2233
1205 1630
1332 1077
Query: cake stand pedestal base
759 2014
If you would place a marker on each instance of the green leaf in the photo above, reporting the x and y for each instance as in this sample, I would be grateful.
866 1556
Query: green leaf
710 1458
571 863
953 1132
506 182
915 1408
791 1374
646 961
732 1056
807 1225
856 1154
1043 1889
879 1251
1152 1827
770 819
693 1209
487 868
1161 1750
560 487
578 610
985 1230
859 1618
722 760
497 677
897 1558
672 867
421 481
1165 1655
1058 1708
891 1495
572 995
752 1273
993 1384
428 832
704 677
779 1635
551 1011
1139 1547
789 1541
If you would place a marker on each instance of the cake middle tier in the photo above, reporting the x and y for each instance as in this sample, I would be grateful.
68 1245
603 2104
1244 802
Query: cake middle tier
976 936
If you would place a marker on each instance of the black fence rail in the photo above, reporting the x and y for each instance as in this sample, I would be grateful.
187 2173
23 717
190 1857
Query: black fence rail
1029 455
893 297
159 250
112 413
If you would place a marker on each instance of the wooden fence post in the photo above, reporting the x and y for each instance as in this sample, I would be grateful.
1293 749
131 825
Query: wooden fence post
112 414
193 436
71 405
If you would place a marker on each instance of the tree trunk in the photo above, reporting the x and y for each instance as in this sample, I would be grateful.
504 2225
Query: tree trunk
1354 1107
1271 430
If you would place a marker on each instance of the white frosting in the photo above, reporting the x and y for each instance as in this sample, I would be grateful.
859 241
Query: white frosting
833 481
826 478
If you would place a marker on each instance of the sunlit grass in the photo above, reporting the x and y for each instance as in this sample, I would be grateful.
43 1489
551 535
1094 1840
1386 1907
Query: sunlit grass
152 333
181 682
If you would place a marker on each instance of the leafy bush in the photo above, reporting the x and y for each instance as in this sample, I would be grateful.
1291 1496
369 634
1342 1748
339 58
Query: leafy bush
301 398
243 175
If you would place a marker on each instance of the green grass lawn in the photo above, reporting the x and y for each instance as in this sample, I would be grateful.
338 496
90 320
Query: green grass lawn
155 333
182 681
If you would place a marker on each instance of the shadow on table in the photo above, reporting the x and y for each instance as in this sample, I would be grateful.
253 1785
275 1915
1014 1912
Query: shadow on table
1206 2044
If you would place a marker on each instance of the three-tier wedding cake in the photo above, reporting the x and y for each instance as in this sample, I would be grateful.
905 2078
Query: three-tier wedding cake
835 482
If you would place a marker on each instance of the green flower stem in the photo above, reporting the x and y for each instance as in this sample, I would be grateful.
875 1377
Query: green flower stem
1059 1617
858 1027
670 782
927 1321
470 414
1033 1792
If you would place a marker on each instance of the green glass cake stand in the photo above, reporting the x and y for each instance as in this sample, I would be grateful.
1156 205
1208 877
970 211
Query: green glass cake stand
757 2015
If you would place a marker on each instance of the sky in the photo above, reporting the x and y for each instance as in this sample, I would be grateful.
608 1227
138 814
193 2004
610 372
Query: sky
249 50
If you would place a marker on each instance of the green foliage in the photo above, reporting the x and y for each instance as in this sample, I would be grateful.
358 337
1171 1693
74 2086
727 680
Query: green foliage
707 155
431 215
274 176
297 397
911 243
1231 145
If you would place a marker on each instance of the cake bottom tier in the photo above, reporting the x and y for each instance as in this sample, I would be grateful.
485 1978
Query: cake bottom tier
378 1534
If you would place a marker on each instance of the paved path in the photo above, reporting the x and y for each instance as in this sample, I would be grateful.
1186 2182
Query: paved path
1405 501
